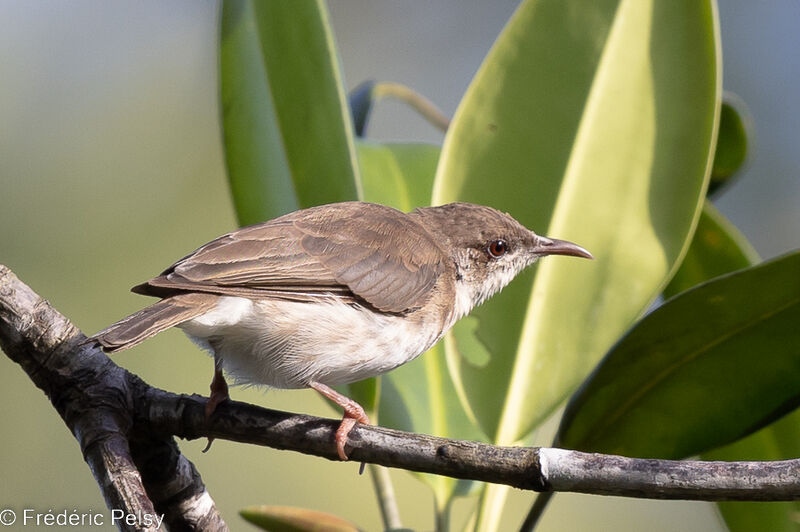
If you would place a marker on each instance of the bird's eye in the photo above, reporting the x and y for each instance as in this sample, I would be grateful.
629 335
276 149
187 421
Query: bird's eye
498 248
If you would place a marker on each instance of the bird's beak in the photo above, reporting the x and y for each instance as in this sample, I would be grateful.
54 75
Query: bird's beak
553 246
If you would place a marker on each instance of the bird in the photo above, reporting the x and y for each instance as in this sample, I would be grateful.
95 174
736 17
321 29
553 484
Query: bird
333 294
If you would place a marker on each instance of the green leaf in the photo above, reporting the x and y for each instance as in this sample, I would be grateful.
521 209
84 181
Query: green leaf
418 396
291 519
778 441
717 248
731 152
593 122
287 133
396 174
711 365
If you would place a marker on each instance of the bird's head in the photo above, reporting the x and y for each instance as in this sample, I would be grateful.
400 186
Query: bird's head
488 247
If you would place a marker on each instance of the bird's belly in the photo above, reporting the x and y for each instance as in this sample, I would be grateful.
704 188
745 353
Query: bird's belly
287 344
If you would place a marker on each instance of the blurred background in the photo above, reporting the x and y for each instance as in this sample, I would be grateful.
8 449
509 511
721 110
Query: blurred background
111 168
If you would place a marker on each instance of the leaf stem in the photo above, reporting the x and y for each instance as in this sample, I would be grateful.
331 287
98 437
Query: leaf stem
536 511
426 108
387 501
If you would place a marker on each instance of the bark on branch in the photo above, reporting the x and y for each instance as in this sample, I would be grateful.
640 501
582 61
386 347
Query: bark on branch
139 472
125 428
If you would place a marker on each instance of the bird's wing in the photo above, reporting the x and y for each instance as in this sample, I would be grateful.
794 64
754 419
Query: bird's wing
371 251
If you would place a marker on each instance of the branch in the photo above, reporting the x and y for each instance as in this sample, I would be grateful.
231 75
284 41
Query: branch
531 468
138 473
125 429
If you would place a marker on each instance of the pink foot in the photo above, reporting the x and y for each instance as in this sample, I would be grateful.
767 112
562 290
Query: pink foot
219 394
353 413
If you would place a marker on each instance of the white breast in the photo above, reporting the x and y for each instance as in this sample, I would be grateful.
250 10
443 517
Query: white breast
286 344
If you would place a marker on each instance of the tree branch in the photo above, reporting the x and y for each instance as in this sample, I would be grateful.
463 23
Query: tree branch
138 474
125 429
532 468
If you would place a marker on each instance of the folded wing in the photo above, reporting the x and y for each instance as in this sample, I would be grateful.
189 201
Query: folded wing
351 250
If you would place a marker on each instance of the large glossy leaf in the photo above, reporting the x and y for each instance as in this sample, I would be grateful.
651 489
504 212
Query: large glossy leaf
779 441
594 122
287 134
709 366
717 248
418 396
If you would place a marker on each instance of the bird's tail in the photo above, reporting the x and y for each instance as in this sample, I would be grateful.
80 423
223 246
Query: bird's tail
150 321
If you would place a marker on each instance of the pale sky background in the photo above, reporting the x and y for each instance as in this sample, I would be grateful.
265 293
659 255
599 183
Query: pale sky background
111 168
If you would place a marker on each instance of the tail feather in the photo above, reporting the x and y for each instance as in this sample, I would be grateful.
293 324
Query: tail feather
150 321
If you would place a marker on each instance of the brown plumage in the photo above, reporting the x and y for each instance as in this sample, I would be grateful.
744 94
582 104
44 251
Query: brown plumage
333 294
290 258
151 320
373 252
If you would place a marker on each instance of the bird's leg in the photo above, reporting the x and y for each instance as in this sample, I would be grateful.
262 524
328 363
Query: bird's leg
219 393
353 413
